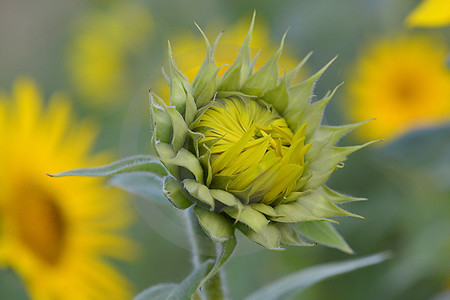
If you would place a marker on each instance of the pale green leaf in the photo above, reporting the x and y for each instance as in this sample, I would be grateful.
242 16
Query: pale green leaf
189 286
299 281
138 163
181 291
156 292
143 184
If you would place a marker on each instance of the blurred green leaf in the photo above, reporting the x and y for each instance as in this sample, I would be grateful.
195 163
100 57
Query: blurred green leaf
157 292
138 163
297 282
324 233
143 184
181 291
425 149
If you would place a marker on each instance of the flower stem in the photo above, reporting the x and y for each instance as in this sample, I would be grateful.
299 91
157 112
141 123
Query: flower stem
203 248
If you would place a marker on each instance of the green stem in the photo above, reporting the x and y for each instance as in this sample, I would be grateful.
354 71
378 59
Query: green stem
203 248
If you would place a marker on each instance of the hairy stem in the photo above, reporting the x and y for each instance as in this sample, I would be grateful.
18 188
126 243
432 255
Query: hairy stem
203 248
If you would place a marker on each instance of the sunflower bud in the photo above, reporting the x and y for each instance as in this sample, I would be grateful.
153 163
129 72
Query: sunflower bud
248 151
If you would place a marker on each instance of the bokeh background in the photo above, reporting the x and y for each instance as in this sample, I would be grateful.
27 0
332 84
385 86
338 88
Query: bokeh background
106 55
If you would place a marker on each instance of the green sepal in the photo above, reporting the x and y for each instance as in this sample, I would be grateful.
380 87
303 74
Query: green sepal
237 74
165 152
218 227
199 192
175 193
294 212
269 238
191 110
208 68
179 127
328 136
321 168
321 207
265 209
160 123
238 94
336 197
289 235
179 84
278 96
249 216
299 97
221 181
291 75
182 158
209 91
205 161
195 139
265 78
226 198
324 233
313 113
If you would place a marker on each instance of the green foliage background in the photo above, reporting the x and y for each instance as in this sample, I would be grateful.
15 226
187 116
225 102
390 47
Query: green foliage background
407 180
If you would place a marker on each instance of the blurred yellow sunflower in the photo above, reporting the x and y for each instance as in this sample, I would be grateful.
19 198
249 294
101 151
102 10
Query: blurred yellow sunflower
403 83
430 13
56 233
99 54
189 56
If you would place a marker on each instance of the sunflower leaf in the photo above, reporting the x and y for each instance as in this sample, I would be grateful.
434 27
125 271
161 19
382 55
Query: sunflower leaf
297 282
183 290
187 287
143 184
156 292
138 163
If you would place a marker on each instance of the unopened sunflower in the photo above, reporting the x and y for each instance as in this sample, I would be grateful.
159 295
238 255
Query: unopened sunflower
246 151
56 234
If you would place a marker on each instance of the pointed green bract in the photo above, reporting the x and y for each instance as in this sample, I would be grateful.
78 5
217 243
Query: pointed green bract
175 193
324 233
217 226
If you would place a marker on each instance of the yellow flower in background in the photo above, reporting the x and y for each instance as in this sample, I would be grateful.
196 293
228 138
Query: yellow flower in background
403 83
430 13
190 54
56 234
98 55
